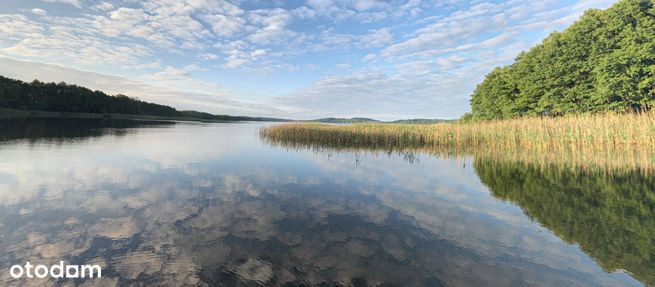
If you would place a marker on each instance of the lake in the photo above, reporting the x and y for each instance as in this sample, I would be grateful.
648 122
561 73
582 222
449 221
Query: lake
181 203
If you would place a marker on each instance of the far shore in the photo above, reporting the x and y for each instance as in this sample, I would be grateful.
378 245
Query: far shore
6 113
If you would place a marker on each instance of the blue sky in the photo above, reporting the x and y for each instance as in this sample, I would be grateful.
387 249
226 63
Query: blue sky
294 59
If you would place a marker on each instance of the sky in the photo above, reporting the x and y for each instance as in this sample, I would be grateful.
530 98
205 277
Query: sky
296 59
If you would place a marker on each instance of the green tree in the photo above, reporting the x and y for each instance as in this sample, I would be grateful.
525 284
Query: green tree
603 62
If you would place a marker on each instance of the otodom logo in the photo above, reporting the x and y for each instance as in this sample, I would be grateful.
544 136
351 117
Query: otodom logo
60 270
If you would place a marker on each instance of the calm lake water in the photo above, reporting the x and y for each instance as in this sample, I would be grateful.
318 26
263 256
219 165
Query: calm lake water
212 204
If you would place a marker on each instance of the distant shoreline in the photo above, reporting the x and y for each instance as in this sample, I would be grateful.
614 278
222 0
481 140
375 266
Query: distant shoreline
6 113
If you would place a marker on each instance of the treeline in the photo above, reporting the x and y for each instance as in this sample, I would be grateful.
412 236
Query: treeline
603 62
62 97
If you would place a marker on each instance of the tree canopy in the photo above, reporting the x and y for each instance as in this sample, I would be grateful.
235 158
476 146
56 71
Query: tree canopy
63 97
603 62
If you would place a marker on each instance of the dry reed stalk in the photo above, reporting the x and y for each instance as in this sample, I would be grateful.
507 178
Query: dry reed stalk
611 139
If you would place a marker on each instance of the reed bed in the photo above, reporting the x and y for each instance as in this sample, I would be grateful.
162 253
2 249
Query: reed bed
612 140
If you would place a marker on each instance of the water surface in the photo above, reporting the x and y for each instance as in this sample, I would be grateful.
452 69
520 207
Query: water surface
211 204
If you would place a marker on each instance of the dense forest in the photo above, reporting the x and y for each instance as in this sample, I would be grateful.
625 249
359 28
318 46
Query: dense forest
610 215
62 97
603 62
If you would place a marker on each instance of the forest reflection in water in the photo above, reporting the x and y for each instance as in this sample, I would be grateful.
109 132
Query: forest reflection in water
610 214
211 204
69 129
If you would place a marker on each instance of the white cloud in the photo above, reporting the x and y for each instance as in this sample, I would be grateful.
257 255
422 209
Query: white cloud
75 3
238 58
272 26
258 53
225 25
193 68
330 41
369 57
411 7
303 13
152 65
208 56
377 38
330 9
39 12
235 62
104 6
66 42
363 5
365 11
169 73
369 17
16 26
343 66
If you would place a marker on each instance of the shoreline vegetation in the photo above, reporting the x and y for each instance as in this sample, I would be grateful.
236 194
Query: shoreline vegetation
607 140
6 113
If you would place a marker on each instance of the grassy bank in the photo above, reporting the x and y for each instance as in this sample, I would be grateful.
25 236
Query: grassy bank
583 140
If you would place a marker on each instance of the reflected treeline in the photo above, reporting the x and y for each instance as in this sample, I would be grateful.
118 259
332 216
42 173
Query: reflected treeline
59 130
610 215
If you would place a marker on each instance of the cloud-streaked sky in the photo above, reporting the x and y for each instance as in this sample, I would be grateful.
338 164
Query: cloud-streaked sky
294 59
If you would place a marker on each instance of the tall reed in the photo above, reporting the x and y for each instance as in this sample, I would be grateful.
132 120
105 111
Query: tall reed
621 140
